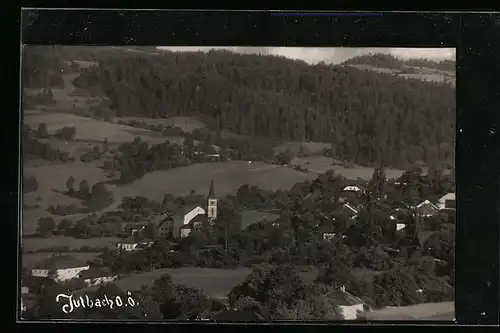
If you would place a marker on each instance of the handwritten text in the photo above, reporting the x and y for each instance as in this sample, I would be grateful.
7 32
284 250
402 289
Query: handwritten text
71 302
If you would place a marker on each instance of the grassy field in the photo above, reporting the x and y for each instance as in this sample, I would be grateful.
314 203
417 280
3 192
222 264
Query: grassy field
227 178
31 259
321 164
294 147
249 217
426 311
87 128
33 244
215 282
187 124
54 177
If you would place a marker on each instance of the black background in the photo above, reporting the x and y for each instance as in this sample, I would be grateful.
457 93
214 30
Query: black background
476 37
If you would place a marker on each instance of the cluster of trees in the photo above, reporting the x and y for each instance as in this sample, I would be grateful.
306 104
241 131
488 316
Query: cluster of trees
30 184
34 148
41 68
368 116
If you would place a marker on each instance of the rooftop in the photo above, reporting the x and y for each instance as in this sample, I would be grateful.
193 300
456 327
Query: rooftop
60 262
344 298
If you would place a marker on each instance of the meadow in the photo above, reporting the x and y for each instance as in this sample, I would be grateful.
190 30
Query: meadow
33 243
29 260
228 177
321 164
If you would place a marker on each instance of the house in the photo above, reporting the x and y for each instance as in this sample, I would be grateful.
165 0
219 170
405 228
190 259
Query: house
349 305
447 201
95 276
134 243
164 225
427 208
352 188
194 218
60 267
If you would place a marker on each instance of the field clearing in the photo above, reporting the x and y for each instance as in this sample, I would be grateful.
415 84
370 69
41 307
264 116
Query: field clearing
215 282
87 128
321 164
52 177
33 244
228 177
29 260
426 311
249 217
294 147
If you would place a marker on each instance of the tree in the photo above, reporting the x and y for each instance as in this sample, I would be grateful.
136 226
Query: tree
285 157
46 226
270 285
379 179
65 227
84 189
70 183
30 184
82 228
42 132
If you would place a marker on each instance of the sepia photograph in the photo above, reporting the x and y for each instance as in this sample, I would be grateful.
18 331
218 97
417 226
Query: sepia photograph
243 184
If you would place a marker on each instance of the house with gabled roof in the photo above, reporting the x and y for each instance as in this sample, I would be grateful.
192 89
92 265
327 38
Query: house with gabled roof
427 208
447 201
59 267
134 243
95 276
349 305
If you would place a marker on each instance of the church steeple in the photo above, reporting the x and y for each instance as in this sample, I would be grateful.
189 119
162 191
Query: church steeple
211 193
212 203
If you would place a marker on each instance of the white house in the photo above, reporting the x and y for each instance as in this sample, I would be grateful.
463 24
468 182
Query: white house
96 276
133 243
446 199
349 305
62 267
352 188
191 213
427 208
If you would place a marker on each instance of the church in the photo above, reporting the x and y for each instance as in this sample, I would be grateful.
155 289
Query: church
192 217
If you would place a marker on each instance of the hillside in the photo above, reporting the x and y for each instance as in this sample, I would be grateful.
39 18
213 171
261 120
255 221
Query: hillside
365 115
422 69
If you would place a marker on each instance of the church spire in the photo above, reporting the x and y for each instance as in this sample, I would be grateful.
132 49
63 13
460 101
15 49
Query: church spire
211 193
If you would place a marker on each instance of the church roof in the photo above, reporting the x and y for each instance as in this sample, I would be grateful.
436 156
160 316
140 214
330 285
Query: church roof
211 193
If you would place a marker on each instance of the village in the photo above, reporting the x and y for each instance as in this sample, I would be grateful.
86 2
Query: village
411 224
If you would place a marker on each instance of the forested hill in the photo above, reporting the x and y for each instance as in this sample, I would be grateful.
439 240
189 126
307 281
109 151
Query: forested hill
388 61
368 116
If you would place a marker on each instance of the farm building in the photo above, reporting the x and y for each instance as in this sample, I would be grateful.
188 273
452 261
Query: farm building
62 267
133 243
447 201
95 276
350 306
427 208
